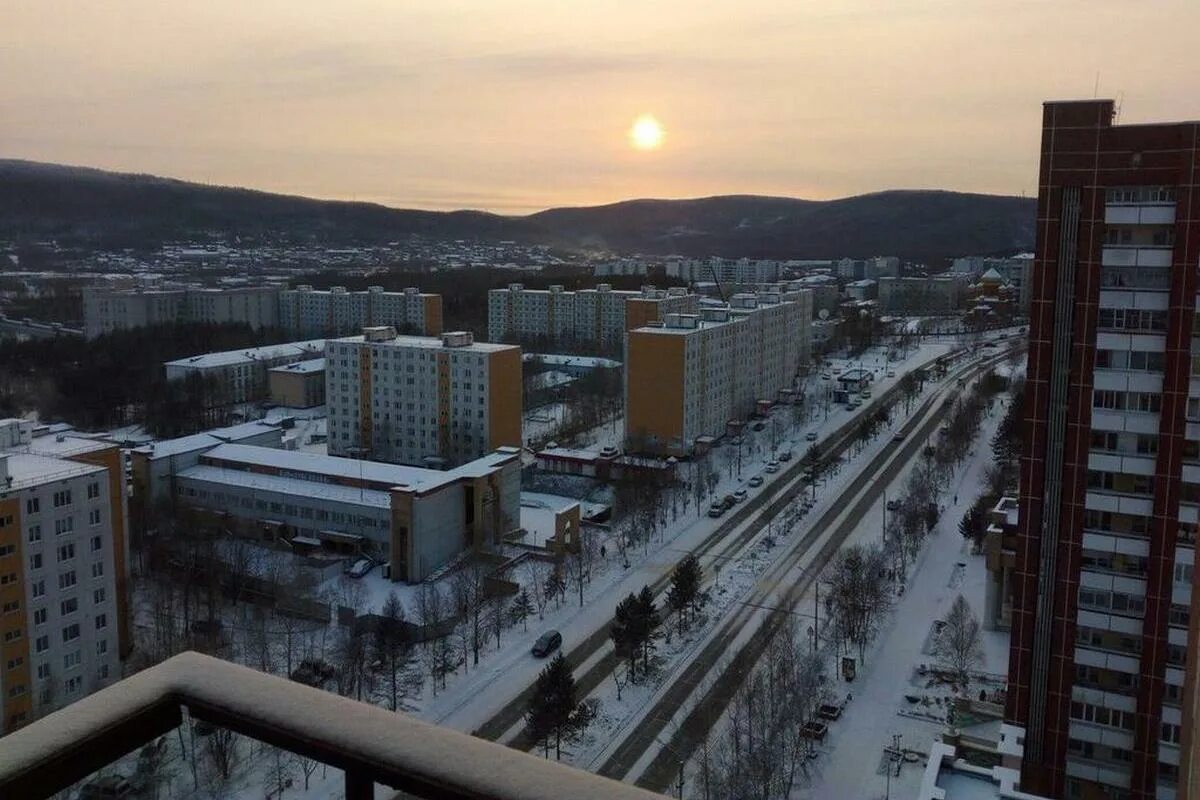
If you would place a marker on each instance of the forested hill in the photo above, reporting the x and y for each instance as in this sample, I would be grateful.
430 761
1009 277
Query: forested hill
88 207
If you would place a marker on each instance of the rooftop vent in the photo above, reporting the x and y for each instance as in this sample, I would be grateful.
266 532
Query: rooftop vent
458 339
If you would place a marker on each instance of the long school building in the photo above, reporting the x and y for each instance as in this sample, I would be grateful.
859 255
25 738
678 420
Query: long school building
427 401
691 376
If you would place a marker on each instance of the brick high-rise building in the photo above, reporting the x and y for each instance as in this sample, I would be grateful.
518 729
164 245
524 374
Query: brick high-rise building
1102 666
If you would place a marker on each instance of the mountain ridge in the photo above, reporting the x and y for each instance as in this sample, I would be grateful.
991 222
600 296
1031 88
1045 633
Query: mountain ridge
91 207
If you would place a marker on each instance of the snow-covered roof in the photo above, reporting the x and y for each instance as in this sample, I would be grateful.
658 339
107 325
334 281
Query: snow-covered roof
562 360
377 473
202 441
250 355
304 367
372 498
27 469
432 343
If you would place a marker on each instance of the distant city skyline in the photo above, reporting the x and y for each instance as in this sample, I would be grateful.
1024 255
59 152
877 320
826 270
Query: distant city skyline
475 104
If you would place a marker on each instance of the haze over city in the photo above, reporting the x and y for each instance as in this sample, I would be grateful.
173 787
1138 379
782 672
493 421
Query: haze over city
516 107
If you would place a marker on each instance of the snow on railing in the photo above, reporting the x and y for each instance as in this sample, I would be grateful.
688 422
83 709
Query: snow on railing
371 745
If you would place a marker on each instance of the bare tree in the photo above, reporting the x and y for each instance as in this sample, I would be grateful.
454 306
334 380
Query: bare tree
959 644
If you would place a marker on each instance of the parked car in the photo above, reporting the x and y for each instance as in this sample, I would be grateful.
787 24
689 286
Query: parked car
772 466
758 426
786 455
900 436
756 481
891 373
893 504
716 509
608 451
811 436
852 404
825 376
739 495
866 394
110 787
360 568
546 644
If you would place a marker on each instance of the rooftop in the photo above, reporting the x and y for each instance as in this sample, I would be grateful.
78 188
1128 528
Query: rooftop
281 484
63 446
28 470
377 473
304 367
252 354
431 343
562 360
203 441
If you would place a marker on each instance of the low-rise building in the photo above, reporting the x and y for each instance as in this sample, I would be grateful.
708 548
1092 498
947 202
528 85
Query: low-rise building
298 385
240 376
428 401
64 604
936 294
866 289
414 520
690 377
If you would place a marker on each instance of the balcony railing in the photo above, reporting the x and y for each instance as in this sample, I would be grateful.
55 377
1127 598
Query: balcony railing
370 745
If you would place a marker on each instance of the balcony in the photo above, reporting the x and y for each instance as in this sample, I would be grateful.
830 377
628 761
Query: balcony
370 745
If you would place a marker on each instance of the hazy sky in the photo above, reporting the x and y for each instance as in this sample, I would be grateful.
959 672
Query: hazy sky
514 106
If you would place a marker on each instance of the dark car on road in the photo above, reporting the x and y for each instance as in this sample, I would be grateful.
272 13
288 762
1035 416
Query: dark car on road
546 644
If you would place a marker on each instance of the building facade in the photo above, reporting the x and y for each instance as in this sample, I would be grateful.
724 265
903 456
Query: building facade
413 519
305 311
1102 672
240 376
64 611
691 376
298 385
726 271
598 317
936 294
428 401
300 312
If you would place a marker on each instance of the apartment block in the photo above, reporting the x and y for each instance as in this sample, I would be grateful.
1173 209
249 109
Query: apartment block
427 401
64 614
690 376
599 316
413 519
300 312
305 311
1103 660
936 294
726 271
241 376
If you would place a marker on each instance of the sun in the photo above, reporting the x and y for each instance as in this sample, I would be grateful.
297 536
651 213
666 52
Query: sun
646 133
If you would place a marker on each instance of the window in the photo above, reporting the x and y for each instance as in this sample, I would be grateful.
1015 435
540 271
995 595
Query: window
70 633
35 561
13 663
73 685
41 644
67 579
68 606
98 569
99 596
101 621
35 533
62 498
93 490
11 607
66 552
97 543
94 517
72 660
64 525
33 505
13 636
38 588
43 671
39 616
102 647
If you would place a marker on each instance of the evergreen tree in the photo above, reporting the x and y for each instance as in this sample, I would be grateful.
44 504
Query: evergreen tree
522 609
552 709
685 586
624 632
647 620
